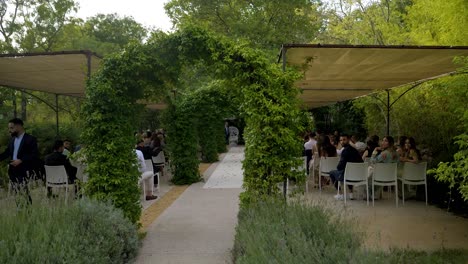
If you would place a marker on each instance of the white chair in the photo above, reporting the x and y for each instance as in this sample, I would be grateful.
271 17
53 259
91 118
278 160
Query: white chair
326 165
413 174
356 175
385 174
159 161
56 177
149 167
301 168
146 182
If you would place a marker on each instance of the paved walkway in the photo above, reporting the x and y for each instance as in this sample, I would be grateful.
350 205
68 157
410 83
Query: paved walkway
199 226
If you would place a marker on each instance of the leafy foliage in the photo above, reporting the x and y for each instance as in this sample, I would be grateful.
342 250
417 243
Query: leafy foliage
265 24
108 120
273 231
83 232
182 143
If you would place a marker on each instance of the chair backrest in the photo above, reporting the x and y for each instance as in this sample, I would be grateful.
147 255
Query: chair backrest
414 171
80 172
149 165
56 174
160 159
328 164
367 160
385 172
355 171
302 166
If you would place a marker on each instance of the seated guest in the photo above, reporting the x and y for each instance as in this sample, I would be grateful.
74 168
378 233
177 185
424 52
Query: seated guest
147 138
308 149
146 150
372 143
57 158
411 153
348 154
142 169
386 153
67 147
326 147
401 146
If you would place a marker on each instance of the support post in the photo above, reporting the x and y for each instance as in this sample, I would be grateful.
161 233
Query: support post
57 116
388 111
88 57
285 184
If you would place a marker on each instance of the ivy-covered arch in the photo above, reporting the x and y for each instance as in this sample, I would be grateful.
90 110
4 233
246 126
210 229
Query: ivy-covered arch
268 99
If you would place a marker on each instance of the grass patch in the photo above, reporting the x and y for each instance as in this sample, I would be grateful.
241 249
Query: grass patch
272 231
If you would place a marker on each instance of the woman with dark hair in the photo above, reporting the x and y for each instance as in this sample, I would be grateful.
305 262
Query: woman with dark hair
372 143
386 153
401 146
411 153
325 147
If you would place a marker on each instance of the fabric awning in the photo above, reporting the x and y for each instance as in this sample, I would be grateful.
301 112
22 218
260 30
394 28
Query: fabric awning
62 73
334 73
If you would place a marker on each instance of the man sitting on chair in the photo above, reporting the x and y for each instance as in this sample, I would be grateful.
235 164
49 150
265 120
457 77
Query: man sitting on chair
348 154
143 170
57 158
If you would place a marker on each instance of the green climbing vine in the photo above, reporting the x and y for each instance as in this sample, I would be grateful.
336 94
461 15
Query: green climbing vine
266 100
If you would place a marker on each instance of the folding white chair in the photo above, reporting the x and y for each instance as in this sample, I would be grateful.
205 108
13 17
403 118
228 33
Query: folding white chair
159 161
385 174
356 175
413 174
149 167
56 177
326 165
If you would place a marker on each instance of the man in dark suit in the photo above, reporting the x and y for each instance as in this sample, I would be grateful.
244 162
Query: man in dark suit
57 158
348 154
22 153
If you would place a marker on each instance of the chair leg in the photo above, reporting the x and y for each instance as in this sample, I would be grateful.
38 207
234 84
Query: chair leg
396 194
373 193
344 192
425 189
66 194
403 191
320 180
159 182
367 193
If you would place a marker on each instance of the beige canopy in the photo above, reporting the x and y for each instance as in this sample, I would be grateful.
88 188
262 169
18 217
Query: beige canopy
60 73
334 73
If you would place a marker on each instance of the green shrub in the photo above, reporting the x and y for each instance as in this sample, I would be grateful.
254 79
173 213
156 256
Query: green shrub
273 231
82 232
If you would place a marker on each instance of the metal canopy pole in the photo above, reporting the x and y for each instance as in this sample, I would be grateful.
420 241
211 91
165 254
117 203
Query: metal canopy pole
57 116
285 183
388 111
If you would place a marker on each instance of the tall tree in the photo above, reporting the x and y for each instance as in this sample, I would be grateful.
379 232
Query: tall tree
112 31
438 22
44 26
379 22
266 24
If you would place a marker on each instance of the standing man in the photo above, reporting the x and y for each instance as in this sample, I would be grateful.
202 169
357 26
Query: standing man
348 154
22 152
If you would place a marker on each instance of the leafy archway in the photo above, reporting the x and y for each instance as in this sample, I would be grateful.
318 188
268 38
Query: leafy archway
269 106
